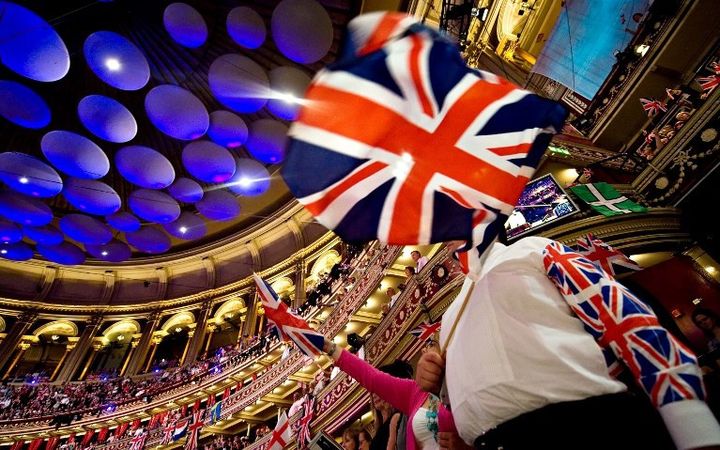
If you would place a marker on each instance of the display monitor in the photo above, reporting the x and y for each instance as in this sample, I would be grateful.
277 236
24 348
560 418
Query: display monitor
542 202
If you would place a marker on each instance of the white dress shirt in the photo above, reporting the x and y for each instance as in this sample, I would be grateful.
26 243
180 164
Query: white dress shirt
518 347
421 262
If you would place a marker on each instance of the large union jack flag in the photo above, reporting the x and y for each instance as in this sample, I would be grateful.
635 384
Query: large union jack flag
401 141
288 325
426 330
664 367
612 261
194 430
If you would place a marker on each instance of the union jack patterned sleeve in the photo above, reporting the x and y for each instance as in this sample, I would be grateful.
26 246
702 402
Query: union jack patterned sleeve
664 367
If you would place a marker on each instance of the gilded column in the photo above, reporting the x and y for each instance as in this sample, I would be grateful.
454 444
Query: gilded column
133 348
138 357
251 315
14 336
18 355
80 352
198 337
156 340
96 346
68 349
299 283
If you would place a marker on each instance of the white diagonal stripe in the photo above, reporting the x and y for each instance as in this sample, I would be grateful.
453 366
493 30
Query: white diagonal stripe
340 144
333 213
602 201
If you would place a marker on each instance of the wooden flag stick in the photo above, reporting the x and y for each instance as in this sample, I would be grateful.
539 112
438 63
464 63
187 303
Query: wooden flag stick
457 319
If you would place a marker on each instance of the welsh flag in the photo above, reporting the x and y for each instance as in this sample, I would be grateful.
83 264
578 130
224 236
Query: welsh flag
605 199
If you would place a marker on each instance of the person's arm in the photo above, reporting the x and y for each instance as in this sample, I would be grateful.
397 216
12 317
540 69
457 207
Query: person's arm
392 438
399 392
662 366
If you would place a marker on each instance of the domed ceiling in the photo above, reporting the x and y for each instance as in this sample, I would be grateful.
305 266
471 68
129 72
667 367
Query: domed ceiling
131 128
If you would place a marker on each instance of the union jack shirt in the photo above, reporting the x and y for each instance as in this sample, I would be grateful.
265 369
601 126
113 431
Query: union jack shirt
400 141
662 365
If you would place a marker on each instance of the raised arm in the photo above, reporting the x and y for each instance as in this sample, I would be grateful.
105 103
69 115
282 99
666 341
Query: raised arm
399 392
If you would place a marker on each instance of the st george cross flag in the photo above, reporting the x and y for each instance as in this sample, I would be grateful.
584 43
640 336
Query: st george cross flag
611 261
288 325
426 330
281 434
400 141
606 200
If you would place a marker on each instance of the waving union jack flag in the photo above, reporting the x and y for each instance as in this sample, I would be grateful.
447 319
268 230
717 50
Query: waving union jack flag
194 430
426 330
138 442
652 106
709 83
612 261
664 367
288 325
304 436
401 141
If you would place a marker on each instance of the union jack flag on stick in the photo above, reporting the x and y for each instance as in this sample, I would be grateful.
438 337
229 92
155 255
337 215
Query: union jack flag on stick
652 107
408 145
288 325
304 436
138 442
194 430
709 83
611 261
426 330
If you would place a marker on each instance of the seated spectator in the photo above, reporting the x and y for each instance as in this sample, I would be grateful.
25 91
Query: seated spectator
409 272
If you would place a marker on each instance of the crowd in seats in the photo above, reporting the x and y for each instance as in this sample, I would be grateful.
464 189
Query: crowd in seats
70 401
103 393
222 442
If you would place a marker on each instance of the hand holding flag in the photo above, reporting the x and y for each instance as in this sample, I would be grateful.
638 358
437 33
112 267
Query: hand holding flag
288 325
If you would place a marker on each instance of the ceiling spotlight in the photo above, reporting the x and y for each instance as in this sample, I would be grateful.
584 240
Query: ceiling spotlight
3 252
288 97
245 181
104 253
710 269
24 180
183 229
113 64
178 329
54 337
121 338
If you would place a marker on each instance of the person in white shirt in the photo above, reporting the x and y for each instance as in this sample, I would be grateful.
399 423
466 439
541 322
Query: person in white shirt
522 370
420 260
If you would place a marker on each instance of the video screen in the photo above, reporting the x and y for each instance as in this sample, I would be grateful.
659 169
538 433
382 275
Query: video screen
542 201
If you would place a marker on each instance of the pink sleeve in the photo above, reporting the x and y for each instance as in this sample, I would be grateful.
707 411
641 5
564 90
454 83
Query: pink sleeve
399 392
445 420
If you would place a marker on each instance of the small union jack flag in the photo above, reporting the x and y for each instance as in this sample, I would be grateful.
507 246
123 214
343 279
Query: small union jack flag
304 436
652 107
138 442
426 330
281 434
288 325
619 321
709 83
612 261
168 431
194 430
401 141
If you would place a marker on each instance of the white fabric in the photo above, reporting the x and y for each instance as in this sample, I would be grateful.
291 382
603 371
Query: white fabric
394 298
691 424
503 360
423 435
421 262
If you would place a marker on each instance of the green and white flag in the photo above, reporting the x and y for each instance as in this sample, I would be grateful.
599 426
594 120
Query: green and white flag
605 199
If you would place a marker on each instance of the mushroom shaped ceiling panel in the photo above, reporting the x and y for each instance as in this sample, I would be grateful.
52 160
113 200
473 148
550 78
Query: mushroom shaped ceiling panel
132 128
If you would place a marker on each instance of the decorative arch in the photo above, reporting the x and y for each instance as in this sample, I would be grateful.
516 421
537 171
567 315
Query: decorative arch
179 319
123 327
59 327
282 286
230 306
325 262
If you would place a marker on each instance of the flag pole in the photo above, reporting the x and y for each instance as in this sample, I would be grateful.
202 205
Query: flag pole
457 319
